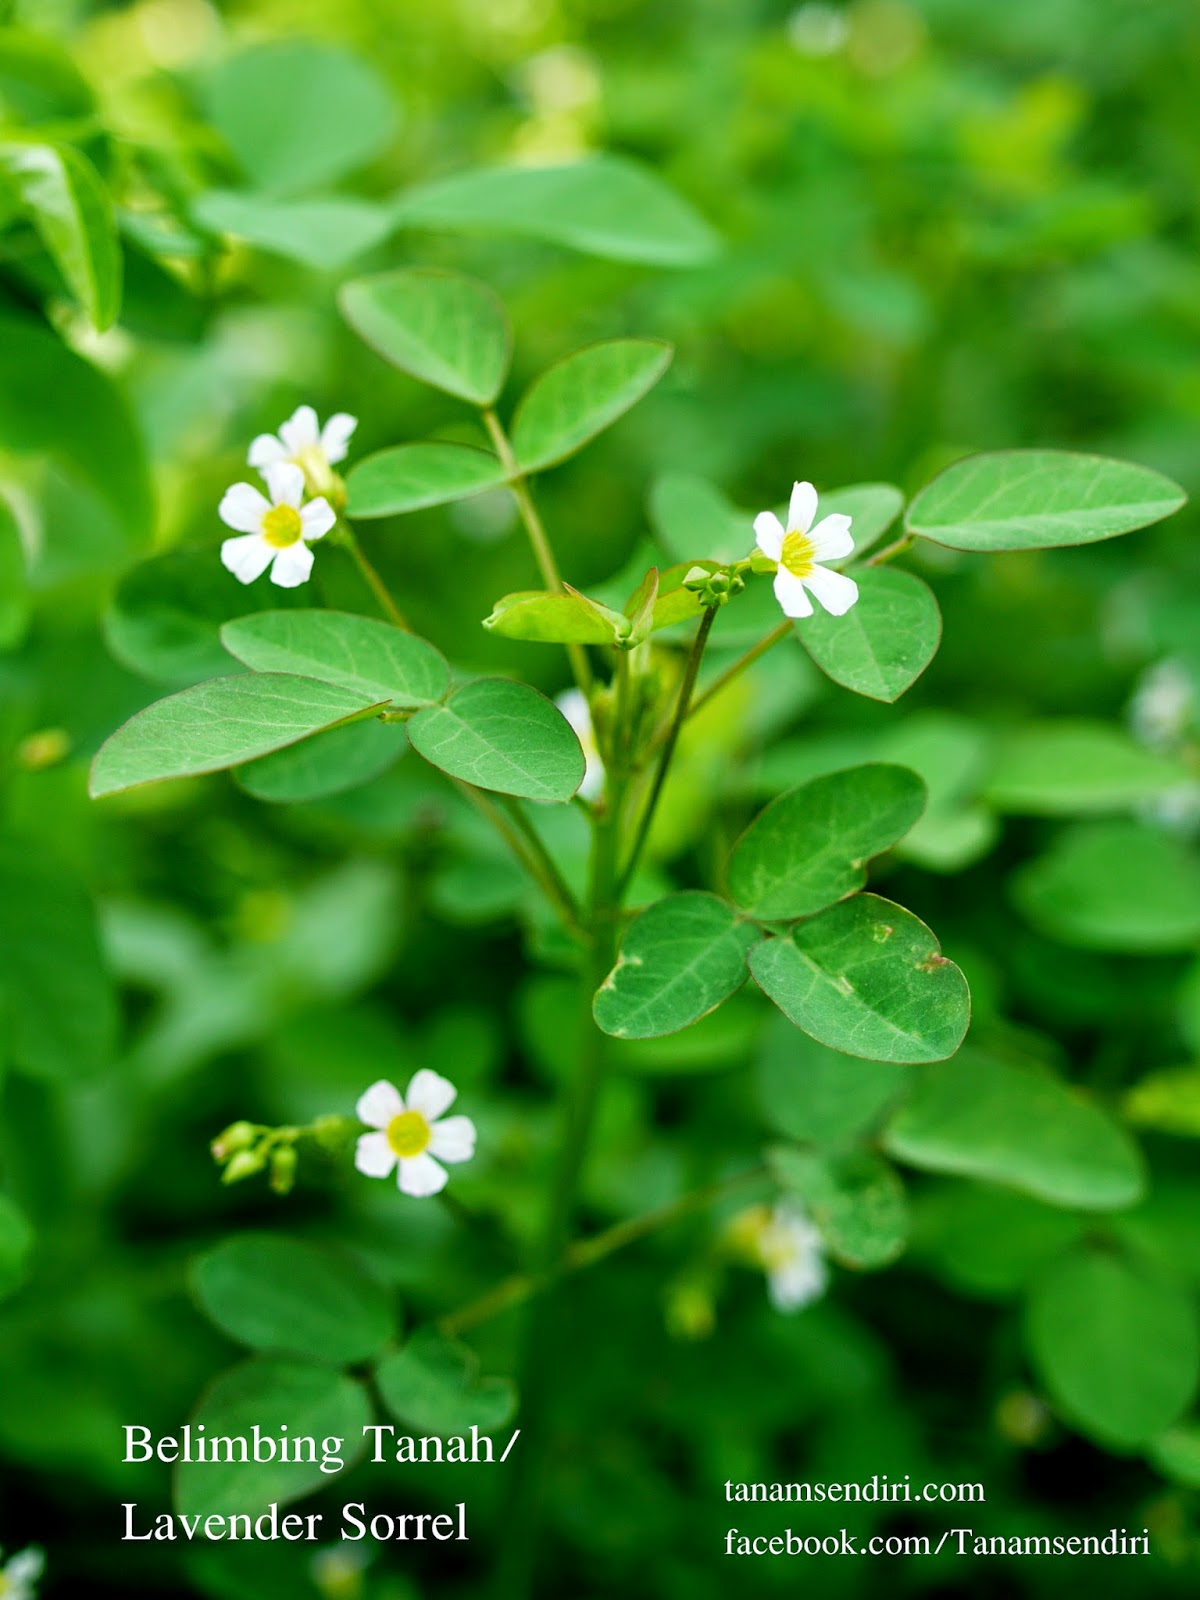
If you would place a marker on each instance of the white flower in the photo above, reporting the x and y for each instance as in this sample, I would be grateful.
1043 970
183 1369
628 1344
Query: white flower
411 1131
1162 706
21 1573
303 443
277 531
791 1255
800 547
574 706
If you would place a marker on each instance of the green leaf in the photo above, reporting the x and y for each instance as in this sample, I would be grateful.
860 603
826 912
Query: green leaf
1176 1454
372 658
14 589
310 1401
640 609
325 233
502 736
868 978
69 206
441 327
856 1200
679 959
818 1095
1115 1345
433 1386
1017 1124
950 753
327 764
410 477
54 403
884 642
16 1242
1031 499
1167 1101
1055 769
1114 886
220 724
581 396
298 114
283 1296
540 617
810 847
39 82
55 985
694 521
988 1241
166 614
606 206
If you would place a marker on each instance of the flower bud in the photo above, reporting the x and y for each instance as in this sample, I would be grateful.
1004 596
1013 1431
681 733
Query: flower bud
244 1165
238 1136
283 1169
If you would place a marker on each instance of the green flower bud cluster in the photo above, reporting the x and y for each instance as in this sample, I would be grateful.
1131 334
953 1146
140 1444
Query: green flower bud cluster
245 1149
717 586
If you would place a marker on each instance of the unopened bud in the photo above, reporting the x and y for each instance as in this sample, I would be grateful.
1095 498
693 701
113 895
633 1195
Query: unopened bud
237 1136
244 1165
283 1169
714 588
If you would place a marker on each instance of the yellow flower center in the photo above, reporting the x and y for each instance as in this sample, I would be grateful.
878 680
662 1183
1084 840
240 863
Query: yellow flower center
798 554
282 526
408 1134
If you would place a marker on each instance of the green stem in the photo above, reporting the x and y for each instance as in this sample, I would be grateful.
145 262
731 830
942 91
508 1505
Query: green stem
537 863
376 584
682 706
549 877
755 653
585 1253
538 538
897 548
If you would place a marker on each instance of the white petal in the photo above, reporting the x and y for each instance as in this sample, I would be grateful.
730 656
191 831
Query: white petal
374 1156
797 1284
380 1103
265 450
247 557
768 530
300 430
285 483
335 436
836 592
831 537
789 591
453 1139
420 1176
26 1568
430 1094
293 565
802 507
243 507
316 519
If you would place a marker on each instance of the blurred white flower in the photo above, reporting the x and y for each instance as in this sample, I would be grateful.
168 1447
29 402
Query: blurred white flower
411 1131
20 1574
277 531
1163 705
799 548
574 706
303 443
791 1254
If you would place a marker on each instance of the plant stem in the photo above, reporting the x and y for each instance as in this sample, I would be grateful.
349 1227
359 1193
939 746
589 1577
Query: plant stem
376 584
537 862
538 539
585 1253
896 548
682 705
755 653
550 877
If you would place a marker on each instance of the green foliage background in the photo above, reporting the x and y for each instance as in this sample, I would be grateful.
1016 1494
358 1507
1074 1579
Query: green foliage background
945 227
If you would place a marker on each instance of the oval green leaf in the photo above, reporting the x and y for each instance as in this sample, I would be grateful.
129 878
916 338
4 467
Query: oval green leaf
582 395
818 1095
810 847
1034 499
441 327
220 724
1018 1125
329 763
411 477
502 736
694 521
372 658
284 1296
433 1386
540 617
678 961
857 1201
1115 1344
1063 769
868 978
884 642
308 1400
1117 886
606 206
69 206
325 233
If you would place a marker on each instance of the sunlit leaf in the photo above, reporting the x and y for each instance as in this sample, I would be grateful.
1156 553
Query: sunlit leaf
411 477
884 642
371 658
325 232
583 395
441 327
69 206
501 735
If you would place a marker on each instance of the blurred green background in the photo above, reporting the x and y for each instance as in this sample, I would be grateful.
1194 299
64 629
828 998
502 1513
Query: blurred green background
945 226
